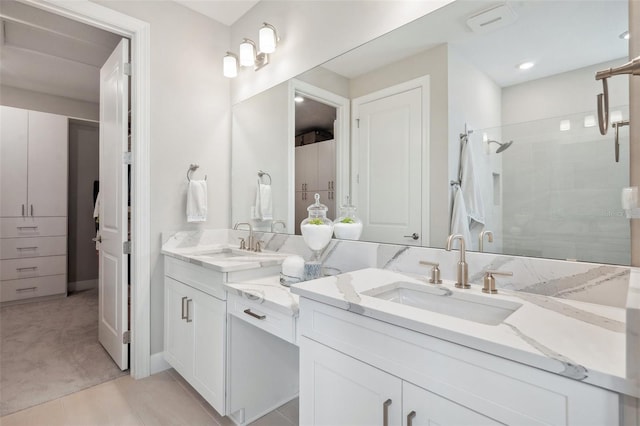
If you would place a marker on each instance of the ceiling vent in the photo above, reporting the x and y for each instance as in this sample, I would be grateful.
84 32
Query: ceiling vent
492 19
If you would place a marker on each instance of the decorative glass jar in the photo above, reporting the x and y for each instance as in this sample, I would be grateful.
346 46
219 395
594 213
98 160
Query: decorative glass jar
348 226
317 231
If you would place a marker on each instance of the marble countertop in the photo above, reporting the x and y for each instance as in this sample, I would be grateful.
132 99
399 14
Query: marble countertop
223 258
267 291
579 340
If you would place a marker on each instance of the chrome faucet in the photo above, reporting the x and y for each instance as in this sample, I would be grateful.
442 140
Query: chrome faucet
281 222
489 235
250 242
463 273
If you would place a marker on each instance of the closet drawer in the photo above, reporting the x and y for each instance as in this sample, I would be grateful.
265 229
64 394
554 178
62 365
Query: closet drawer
32 287
263 317
13 269
12 227
16 248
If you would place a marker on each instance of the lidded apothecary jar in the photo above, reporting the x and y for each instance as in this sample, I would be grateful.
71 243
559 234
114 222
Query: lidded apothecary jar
348 226
317 231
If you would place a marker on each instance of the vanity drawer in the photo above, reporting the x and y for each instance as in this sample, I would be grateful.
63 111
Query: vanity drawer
269 320
16 248
12 227
32 287
196 276
13 269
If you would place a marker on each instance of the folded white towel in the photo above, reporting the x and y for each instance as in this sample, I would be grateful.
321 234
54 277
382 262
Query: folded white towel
264 208
197 201
470 184
460 218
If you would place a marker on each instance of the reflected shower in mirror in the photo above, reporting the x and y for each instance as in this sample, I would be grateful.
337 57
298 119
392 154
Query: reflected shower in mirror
547 182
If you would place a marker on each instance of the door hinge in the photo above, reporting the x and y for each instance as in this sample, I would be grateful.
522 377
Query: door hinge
127 69
126 337
126 247
126 157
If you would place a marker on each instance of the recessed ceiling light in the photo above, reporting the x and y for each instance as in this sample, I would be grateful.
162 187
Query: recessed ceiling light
625 35
298 99
525 65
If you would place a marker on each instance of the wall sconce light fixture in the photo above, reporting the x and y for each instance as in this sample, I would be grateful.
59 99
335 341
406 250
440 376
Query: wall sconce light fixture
230 65
248 52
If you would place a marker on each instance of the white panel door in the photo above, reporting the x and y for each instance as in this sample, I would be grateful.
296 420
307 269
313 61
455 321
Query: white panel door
13 161
48 159
113 276
336 389
424 408
389 166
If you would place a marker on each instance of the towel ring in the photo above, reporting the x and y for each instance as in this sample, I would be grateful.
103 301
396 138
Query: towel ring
193 168
261 174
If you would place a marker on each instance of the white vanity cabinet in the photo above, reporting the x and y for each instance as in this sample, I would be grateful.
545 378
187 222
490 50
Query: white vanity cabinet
351 365
195 328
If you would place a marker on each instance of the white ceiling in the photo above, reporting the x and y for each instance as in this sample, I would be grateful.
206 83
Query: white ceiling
558 35
224 11
47 53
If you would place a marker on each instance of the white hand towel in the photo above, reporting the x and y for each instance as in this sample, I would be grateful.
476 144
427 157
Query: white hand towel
460 218
264 204
197 201
471 189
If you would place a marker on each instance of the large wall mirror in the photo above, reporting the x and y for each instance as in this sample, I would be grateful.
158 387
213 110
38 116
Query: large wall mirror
398 114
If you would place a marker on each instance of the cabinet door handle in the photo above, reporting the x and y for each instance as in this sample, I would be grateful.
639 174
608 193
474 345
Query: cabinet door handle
23 210
183 316
27 268
253 314
27 289
27 227
27 248
189 319
31 209
385 412
410 418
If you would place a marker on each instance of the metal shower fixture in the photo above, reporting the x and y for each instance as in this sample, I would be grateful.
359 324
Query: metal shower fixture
502 146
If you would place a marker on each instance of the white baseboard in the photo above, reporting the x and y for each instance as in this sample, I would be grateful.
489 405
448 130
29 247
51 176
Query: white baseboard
82 285
158 363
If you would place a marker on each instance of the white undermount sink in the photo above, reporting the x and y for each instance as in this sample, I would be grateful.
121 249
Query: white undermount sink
441 300
237 254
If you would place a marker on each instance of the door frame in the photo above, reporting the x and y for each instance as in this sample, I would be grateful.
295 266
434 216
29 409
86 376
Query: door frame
139 32
424 84
343 147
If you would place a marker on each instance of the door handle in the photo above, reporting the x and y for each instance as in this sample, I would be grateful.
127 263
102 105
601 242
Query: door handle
415 236
410 418
183 316
385 412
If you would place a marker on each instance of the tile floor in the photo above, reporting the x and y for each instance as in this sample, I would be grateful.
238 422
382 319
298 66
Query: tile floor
162 399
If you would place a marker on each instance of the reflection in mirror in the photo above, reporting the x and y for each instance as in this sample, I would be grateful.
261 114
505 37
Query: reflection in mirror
554 192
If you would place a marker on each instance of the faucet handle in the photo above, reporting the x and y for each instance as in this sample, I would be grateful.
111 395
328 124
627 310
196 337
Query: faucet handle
435 272
259 246
490 282
243 244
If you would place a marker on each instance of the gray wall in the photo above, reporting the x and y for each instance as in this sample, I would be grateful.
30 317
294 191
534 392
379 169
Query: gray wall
37 101
83 170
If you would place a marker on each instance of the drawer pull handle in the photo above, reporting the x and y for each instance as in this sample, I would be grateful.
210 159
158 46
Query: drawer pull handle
385 412
23 210
183 316
27 268
253 314
27 289
27 227
188 318
27 248
410 418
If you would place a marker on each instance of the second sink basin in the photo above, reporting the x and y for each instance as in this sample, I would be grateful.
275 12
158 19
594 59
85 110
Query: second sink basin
441 300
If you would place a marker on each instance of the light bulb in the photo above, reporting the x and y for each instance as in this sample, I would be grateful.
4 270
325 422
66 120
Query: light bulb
230 65
268 38
247 53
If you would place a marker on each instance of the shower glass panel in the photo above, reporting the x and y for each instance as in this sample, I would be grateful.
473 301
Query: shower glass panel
561 189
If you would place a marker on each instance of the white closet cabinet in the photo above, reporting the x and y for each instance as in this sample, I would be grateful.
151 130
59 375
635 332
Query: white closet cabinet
33 204
315 173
